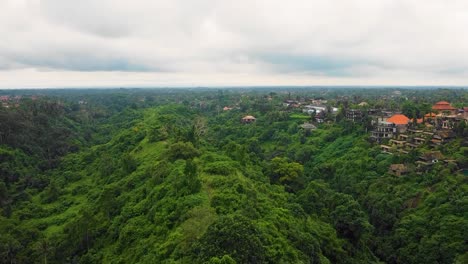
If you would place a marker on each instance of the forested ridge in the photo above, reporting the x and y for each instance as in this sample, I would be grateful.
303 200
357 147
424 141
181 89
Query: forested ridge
143 176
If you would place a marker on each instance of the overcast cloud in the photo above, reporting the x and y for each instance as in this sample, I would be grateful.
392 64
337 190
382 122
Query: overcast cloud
58 43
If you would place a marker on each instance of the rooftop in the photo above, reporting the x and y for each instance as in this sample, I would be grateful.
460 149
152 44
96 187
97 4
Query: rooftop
443 105
398 119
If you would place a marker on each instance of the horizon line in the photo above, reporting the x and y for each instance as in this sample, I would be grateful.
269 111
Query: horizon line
239 87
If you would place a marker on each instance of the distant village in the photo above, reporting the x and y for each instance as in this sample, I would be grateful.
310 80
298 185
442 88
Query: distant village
393 131
400 134
10 101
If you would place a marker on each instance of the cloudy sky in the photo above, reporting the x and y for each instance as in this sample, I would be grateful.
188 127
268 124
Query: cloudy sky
71 43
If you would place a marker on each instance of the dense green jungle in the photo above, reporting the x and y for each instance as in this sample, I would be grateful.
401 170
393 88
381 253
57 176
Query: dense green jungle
172 176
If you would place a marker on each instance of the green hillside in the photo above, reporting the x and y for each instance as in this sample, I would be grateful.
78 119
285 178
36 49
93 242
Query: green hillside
168 182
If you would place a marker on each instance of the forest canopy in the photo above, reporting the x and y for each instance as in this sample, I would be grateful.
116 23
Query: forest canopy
178 176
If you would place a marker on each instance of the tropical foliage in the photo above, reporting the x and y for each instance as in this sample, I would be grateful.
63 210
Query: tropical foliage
169 177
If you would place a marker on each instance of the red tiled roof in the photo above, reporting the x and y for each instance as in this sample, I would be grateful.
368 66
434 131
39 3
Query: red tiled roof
443 105
430 115
399 119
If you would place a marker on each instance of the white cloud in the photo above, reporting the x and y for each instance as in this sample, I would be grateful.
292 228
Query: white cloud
244 42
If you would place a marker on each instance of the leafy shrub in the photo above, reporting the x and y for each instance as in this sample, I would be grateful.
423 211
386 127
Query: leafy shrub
182 150
221 167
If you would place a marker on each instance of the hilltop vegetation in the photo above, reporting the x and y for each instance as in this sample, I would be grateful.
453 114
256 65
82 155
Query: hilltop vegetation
169 177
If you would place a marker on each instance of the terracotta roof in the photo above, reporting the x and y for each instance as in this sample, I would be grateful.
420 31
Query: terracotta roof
399 119
443 105
418 120
430 115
